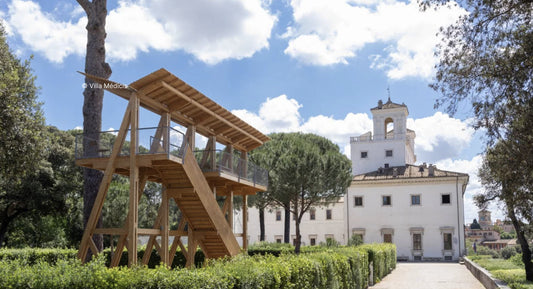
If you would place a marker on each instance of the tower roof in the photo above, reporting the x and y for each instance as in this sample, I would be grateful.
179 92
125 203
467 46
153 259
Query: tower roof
388 105
406 172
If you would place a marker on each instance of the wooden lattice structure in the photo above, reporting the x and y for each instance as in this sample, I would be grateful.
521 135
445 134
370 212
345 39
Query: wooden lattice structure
192 179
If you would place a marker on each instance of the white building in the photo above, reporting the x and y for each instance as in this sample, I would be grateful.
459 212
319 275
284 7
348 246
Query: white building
318 224
418 208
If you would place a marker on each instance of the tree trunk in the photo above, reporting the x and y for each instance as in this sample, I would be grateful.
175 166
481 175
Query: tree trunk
297 221
93 100
526 252
287 231
3 231
262 224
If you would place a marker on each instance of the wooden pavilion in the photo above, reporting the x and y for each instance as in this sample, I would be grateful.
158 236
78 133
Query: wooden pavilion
192 179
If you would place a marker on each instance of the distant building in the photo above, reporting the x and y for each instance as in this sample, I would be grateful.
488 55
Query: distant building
487 235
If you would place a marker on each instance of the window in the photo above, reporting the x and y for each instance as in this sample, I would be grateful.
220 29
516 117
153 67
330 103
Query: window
278 238
417 241
312 241
312 214
388 153
386 200
445 198
364 155
278 215
447 241
358 201
328 214
387 238
415 200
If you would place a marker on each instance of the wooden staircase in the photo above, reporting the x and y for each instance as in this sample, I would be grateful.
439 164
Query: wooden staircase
191 192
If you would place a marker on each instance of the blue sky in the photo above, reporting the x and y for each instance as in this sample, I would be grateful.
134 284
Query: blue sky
309 65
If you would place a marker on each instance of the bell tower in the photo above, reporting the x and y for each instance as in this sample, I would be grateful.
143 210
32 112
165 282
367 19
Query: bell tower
391 143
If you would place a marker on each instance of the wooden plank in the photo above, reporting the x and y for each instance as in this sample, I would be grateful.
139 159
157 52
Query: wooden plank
146 231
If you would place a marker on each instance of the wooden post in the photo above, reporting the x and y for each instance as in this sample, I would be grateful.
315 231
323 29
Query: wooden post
230 210
244 164
164 229
134 183
245 222
212 151
191 247
190 135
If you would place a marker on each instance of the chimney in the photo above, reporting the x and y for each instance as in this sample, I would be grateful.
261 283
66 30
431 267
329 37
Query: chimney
431 170
380 104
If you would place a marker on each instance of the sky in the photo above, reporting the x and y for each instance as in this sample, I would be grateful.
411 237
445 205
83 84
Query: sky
313 66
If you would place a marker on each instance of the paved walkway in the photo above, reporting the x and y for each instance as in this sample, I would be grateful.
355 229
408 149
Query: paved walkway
429 276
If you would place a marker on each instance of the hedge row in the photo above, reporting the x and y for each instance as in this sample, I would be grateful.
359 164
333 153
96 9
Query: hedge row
344 267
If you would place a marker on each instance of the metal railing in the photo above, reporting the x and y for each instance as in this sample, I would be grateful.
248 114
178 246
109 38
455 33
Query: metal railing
231 164
151 140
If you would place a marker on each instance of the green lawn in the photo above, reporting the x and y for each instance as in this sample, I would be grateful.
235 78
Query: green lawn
510 271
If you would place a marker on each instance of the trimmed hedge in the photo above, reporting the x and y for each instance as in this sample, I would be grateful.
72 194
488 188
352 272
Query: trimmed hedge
343 267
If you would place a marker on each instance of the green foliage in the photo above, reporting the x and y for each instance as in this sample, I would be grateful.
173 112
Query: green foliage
343 267
508 252
510 271
305 171
482 250
508 236
355 240
330 242
383 258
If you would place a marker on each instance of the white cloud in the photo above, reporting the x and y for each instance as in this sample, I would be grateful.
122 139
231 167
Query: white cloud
331 32
210 30
44 34
440 136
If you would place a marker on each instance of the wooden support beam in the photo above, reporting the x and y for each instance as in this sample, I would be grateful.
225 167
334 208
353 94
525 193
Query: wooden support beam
191 135
164 229
205 109
245 222
102 190
230 211
134 182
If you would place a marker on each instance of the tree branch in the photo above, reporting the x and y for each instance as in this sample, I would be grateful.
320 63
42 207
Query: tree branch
85 4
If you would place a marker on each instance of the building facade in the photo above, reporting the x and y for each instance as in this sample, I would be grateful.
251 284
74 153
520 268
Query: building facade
318 225
417 207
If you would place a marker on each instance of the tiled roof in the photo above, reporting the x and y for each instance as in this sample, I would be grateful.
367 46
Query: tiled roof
406 172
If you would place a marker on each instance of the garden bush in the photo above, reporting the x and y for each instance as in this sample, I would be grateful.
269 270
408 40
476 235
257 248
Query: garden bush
342 267
508 252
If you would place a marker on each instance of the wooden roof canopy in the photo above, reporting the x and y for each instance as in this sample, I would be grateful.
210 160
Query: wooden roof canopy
162 92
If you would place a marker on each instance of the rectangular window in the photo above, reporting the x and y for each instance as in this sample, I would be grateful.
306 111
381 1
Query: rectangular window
328 214
358 201
445 198
278 215
387 200
278 238
387 238
312 241
417 241
388 153
415 200
364 155
312 214
447 241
